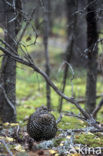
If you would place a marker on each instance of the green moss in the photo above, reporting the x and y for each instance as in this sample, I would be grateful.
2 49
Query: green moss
31 94
89 139
31 88
58 141
70 123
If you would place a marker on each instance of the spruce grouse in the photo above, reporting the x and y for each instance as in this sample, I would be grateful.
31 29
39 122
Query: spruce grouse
42 125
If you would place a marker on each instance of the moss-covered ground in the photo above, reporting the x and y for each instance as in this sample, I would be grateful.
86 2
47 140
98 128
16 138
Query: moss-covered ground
31 93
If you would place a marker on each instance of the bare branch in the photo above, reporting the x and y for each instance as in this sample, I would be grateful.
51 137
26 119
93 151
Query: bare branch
84 100
59 119
74 115
27 24
97 108
7 99
8 150
37 69
87 129
31 64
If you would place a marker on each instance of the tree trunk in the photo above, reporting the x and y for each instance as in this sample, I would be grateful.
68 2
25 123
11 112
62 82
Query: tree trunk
71 7
8 69
45 40
92 37
75 18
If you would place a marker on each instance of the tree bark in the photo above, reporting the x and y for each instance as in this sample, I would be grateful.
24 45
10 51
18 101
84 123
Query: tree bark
74 12
45 40
8 69
71 7
92 37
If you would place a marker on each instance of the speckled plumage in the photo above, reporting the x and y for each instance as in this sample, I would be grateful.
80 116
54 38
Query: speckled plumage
42 125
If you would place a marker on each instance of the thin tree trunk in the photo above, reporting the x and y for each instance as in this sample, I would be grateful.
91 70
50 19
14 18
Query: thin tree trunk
45 40
71 7
92 37
68 57
50 17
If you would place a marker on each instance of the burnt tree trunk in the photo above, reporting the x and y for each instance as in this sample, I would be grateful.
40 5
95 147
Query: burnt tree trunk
92 37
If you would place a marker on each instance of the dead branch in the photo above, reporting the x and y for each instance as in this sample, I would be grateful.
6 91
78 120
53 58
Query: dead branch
8 150
32 65
74 115
27 24
87 129
67 60
81 101
7 99
97 108
59 119
37 69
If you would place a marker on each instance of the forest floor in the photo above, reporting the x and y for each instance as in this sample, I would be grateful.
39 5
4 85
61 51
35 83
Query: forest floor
31 93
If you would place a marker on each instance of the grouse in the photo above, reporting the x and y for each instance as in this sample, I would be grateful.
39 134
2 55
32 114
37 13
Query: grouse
42 125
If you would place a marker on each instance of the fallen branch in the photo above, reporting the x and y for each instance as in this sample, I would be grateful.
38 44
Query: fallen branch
87 129
8 150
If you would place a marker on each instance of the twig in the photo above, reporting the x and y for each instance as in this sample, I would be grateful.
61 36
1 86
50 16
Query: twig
97 108
27 24
42 3
10 36
59 119
8 150
17 130
84 100
67 66
74 115
87 129
8 3
7 45
7 99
